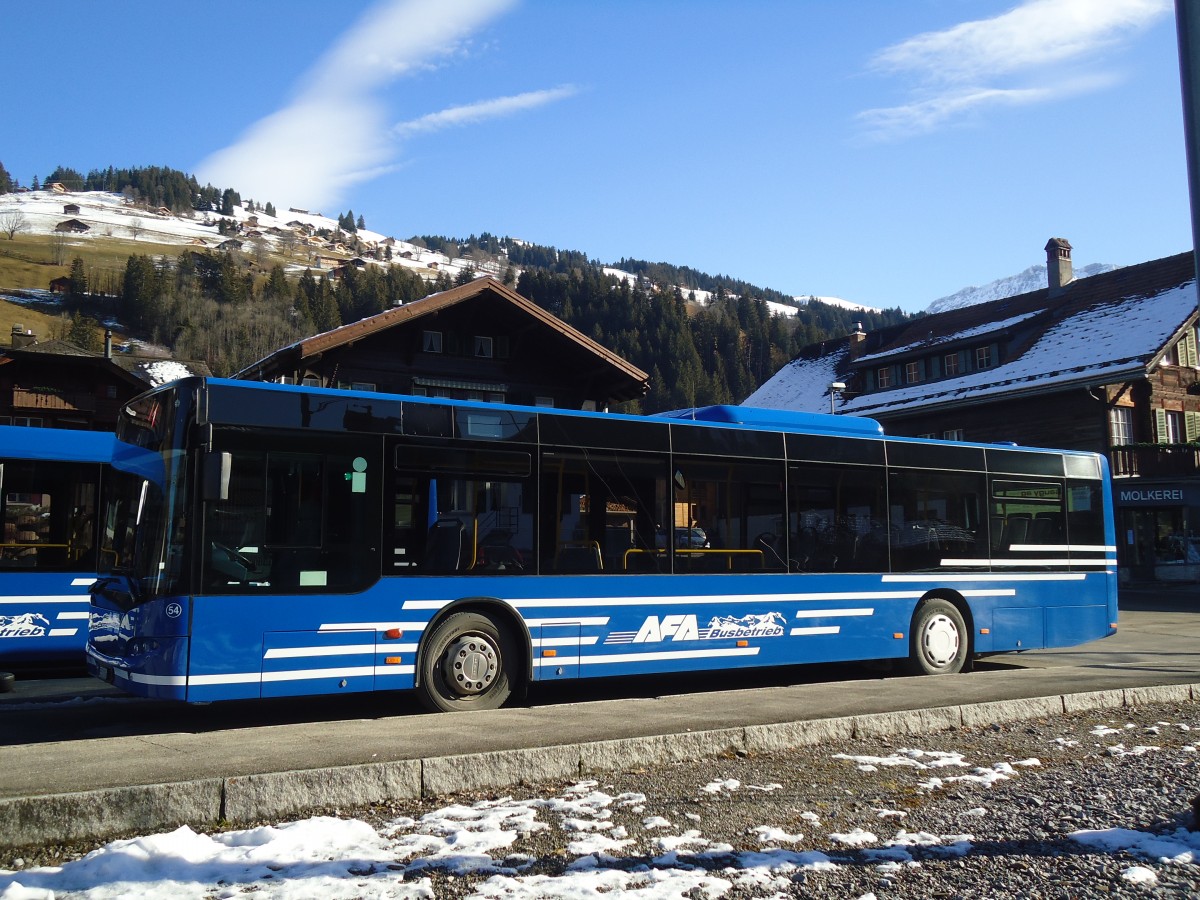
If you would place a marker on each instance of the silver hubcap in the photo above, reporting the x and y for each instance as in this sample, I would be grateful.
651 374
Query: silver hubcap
939 641
472 664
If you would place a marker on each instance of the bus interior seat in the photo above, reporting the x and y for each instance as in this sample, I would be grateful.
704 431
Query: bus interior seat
1044 530
443 550
1016 531
579 558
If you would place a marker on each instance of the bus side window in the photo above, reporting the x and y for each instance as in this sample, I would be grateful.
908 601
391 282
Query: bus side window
1085 513
1027 520
935 518
836 518
48 514
601 511
728 516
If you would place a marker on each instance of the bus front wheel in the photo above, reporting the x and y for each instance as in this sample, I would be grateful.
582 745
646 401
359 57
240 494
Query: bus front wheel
939 642
468 663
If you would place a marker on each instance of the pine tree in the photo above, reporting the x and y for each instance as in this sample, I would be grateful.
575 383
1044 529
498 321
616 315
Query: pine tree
6 182
79 283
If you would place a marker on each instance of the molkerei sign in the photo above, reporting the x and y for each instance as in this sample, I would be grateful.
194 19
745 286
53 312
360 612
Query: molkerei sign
1156 495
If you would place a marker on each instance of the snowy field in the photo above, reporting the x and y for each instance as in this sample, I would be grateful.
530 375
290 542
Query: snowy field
1074 806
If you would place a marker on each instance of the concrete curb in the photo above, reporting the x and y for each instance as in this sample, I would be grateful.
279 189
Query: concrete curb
206 803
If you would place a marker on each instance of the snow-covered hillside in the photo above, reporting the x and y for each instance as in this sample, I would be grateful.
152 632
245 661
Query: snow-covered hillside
836 301
1031 279
294 232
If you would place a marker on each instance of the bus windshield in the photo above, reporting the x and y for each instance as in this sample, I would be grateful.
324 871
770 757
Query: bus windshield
144 528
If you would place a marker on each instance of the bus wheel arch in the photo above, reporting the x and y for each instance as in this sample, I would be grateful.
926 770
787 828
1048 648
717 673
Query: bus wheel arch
473 655
940 635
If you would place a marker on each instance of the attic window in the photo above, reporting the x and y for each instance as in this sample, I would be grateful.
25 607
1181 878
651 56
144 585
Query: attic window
883 377
983 357
912 372
950 364
431 341
483 346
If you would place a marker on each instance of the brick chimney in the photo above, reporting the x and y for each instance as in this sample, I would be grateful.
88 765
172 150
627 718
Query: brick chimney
858 339
1059 272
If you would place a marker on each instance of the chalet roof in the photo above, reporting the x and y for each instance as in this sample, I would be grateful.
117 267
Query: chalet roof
399 315
148 371
1098 330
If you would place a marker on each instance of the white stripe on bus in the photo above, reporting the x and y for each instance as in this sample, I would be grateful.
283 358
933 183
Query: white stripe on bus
293 675
1063 548
816 629
563 641
656 656
568 620
983 563
822 613
64 616
346 650
48 598
63 632
372 626
969 576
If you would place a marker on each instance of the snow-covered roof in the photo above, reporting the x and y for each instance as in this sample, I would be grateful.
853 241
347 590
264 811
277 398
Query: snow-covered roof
1098 330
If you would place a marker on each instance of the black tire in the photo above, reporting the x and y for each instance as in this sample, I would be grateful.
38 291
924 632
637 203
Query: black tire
468 662
939 643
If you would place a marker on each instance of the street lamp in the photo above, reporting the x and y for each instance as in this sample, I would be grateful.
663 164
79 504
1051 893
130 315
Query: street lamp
834 389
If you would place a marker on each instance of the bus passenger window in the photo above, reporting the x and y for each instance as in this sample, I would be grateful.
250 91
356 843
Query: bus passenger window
936 520
1027 521
836 518
48 514
601 512
728 516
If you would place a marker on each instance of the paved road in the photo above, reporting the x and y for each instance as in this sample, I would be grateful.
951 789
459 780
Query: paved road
68 736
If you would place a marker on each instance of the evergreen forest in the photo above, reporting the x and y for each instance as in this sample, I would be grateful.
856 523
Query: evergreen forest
230 309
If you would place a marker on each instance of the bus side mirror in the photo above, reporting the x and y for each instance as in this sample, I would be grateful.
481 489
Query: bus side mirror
216 475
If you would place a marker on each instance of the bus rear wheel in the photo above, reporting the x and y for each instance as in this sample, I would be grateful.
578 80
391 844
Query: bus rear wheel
468 663
939 643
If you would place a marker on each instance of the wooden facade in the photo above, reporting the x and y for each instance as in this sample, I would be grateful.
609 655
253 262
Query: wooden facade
54 384
479 341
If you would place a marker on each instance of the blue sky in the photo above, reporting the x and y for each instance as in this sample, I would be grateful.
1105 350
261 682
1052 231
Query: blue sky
887 153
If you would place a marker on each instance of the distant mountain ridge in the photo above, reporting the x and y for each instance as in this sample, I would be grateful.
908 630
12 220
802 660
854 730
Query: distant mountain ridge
1031 279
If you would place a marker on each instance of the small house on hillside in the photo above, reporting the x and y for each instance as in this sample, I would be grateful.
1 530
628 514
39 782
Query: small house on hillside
71 209
60 285
478 341
72 226
1108 363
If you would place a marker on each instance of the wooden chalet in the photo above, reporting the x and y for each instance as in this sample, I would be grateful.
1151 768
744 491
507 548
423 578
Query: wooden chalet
479 341
1107 363
72 226
55 384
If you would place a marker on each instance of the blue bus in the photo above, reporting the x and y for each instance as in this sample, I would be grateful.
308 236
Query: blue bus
50 482
275 540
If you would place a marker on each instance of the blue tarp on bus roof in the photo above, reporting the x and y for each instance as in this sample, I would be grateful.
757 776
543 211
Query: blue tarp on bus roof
780 419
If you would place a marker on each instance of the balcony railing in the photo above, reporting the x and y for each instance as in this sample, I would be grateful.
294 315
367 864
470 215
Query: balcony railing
1149 460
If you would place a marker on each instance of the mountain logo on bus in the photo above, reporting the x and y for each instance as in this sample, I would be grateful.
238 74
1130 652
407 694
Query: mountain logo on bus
754 625
686 627
24 626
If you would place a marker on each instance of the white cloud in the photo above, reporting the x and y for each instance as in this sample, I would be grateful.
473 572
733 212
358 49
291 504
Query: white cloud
334 133
473 113
1046 45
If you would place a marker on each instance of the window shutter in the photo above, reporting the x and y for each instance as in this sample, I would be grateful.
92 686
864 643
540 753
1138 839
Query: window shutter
1187 348
1160 426
1191 426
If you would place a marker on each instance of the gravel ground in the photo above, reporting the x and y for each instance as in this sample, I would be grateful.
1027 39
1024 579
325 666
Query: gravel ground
968 813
